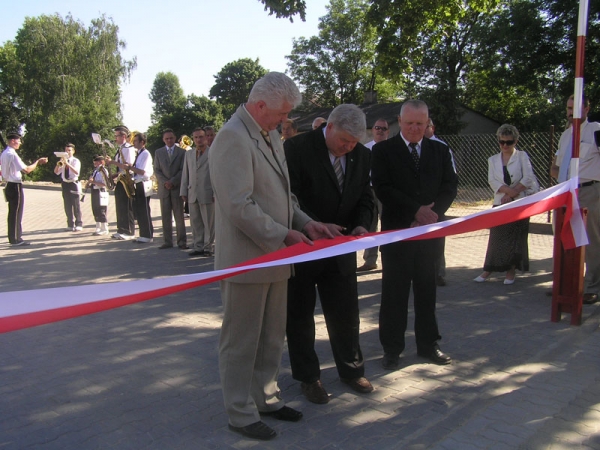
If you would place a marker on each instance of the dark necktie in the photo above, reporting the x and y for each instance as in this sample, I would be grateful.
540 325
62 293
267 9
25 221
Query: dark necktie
414 154
339 172
67 172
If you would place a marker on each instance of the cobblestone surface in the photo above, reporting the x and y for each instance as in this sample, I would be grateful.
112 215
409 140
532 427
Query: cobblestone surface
145 376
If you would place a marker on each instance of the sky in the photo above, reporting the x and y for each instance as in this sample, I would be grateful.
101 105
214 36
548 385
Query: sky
192 38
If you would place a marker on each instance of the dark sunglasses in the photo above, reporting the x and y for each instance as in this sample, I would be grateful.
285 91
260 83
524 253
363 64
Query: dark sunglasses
506 142
378 128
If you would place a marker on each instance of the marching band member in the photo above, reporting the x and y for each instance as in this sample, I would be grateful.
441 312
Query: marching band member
12 165
68 168
142 169
123 204
98 183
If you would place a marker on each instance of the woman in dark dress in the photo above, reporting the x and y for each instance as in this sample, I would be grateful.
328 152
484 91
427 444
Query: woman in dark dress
511 177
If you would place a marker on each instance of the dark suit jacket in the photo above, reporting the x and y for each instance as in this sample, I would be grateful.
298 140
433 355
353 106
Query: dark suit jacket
313 181
401 190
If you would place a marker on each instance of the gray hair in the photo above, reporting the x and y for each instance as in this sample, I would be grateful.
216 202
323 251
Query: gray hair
349 118
508 130
318 122
414 104
274 89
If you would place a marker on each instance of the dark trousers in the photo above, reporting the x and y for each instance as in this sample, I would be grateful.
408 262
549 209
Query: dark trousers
71 202
13 193
404 264
124 209
339 300
98 210
141 207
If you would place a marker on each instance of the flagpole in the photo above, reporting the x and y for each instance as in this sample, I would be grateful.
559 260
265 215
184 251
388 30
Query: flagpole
567 288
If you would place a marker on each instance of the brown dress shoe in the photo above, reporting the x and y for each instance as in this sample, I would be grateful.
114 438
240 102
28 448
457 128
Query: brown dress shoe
315 392
361 384
366 267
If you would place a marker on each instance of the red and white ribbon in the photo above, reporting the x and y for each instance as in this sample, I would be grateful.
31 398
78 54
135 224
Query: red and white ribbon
23 309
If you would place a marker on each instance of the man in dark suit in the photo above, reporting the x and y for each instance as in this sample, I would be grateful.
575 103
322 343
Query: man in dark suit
168 168
329 174
414 179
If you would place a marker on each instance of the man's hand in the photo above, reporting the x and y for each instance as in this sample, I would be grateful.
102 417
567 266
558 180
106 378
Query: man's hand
358 231
168 185
425 215
184 198
42 160
295 237
506 199
318 230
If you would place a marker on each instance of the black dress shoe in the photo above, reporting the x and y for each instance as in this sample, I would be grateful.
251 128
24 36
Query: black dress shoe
390 361
256 430
440 281
436 356
183 247
315 392
195 253
285 413
360 384
590 299
207 254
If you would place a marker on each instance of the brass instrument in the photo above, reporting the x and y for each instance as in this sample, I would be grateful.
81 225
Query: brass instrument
126 178
108 182
63 158
185 142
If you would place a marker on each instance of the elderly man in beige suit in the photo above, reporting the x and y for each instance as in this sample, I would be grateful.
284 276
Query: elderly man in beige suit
256 214
197 191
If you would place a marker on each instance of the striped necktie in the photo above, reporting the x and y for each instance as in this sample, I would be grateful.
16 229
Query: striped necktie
339 172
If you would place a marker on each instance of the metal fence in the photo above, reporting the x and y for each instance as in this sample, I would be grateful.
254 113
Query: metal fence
471 153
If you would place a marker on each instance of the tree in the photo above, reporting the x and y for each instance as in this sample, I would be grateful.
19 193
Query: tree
166 94
286 8
195 112
338 65
64 79
234 82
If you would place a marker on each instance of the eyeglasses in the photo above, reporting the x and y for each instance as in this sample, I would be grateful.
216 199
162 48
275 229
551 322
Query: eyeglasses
378 128
511 142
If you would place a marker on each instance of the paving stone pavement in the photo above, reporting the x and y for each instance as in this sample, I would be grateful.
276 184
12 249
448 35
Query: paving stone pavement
145 376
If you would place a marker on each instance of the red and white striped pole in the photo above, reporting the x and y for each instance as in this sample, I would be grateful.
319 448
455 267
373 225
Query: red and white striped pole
567 289
578 97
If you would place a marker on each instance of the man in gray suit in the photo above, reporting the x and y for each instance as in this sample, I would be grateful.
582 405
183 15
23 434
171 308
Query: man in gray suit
197 191
256 214
168 169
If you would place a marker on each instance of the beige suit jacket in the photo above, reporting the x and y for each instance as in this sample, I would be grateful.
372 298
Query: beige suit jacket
254 206
195 180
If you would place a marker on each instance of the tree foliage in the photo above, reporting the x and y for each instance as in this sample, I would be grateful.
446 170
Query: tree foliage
166 94
62 79
172 109
234 82
511 60
286 8
338 65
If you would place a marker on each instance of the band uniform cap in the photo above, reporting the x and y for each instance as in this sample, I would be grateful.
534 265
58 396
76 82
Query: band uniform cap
13 135
98 158
123 129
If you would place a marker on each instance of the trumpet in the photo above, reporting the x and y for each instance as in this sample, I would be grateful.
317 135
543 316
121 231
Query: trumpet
63 158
